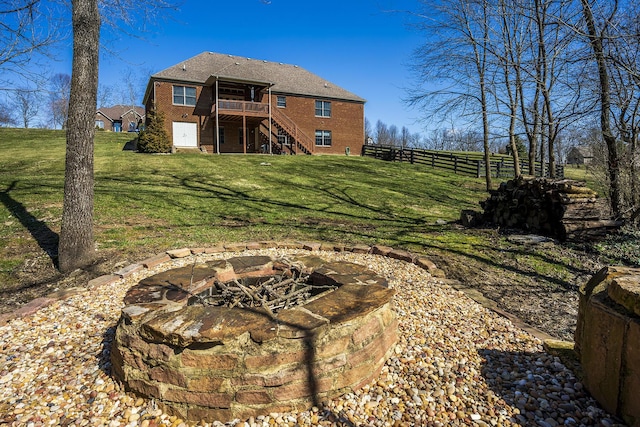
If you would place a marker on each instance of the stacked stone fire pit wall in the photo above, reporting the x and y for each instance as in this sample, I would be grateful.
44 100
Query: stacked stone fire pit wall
208 362
608 340
563 209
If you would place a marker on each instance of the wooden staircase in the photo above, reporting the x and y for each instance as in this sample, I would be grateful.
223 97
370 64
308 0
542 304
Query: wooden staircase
276 147
300 142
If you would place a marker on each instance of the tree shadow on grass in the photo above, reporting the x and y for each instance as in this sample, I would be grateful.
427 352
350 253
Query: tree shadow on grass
339 215
46 238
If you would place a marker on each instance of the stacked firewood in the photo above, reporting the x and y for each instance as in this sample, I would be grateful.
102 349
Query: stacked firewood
564 209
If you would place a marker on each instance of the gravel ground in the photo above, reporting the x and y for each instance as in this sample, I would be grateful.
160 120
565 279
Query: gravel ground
456 363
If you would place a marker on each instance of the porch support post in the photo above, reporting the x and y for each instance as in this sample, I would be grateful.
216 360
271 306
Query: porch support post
217 118
270 149
244 133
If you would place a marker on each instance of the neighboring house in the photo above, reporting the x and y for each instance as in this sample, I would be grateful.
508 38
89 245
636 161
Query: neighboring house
120 118
580 155
216 102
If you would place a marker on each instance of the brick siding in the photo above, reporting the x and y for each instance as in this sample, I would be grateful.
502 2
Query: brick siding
346 122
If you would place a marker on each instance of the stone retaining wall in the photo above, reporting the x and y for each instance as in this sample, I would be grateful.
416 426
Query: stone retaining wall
608 340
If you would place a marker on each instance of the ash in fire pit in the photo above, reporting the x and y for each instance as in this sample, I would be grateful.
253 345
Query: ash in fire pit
261 335
279 292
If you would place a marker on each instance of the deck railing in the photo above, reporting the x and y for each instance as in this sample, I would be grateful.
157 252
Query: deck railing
241 107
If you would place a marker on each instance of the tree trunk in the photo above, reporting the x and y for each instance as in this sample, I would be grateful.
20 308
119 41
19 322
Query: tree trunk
613 163
543 139
481 65
507 62
485 135
76 247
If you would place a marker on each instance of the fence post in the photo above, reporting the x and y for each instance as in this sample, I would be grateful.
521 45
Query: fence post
412 151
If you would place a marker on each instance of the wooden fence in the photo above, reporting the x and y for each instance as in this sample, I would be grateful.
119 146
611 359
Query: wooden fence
471 164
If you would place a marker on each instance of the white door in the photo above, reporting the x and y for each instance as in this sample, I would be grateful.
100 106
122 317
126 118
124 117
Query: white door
185 134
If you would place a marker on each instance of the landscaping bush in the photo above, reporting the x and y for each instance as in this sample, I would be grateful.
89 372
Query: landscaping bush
154 138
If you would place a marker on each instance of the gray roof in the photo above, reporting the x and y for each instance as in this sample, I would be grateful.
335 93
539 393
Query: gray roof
118 111
583 150
203 69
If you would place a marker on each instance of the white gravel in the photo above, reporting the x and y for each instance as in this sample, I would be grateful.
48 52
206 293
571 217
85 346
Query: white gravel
456 363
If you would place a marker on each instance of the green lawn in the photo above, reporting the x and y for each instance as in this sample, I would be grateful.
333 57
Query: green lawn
148 203
586 174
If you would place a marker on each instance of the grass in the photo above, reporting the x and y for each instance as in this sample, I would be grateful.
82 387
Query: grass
147 203
584 173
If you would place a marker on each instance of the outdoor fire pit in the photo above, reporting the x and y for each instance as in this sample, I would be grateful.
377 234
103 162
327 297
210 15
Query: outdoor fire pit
252 335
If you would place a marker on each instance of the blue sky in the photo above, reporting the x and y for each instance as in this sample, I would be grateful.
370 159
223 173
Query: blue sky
364 46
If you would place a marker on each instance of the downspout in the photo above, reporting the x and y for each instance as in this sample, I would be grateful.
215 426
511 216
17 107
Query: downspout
270 148
217 119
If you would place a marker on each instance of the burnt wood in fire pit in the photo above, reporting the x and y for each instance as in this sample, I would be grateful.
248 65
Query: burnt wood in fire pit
291 288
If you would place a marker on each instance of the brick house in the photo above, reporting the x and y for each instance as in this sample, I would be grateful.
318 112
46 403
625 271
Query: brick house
119 118
216 102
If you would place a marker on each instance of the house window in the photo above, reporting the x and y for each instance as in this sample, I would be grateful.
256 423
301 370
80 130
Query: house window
323 138
221 134
132 126
100 124
281 101
184 95
240 136
323 109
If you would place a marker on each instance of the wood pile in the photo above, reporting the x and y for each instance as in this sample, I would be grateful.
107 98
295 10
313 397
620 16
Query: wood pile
564 209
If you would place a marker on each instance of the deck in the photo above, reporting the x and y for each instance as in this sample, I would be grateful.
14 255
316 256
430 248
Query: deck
241 108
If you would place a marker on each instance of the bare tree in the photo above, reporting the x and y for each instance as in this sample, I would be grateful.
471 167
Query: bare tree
27 30
382 133
416 140
405 137
509 56
597 34
368 132
59 92
394 137
6 118
76 248
105 95
455 58
623 53
25 101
